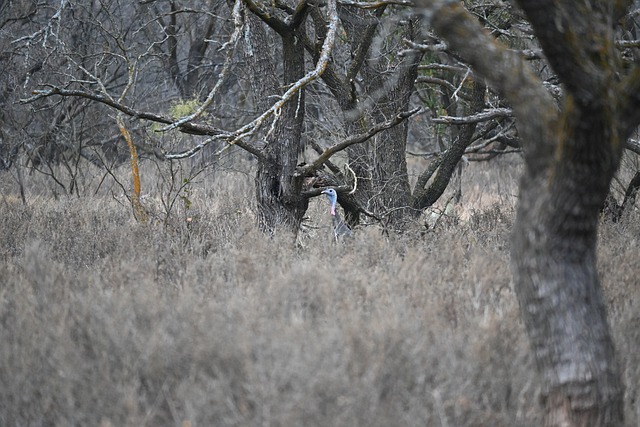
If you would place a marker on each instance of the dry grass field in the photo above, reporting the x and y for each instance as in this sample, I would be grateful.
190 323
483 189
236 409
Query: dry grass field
108 322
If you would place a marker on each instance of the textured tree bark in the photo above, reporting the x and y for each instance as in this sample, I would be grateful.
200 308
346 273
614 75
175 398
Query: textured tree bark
554 256
425 196
570 158
261 62
380 164
382 161
360 28
278 191
555 237
280 203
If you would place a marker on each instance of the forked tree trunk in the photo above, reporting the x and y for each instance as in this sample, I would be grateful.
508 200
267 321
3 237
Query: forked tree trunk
278 193
570 159
381 163
443 169
370 98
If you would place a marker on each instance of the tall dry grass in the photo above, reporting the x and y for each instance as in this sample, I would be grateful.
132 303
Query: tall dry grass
105 321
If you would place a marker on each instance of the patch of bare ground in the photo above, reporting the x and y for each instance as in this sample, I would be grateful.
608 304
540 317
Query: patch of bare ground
106 321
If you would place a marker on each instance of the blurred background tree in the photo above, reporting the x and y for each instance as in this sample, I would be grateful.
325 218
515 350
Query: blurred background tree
159 56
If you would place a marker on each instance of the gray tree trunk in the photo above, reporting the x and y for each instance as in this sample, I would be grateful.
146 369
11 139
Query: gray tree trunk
443 168
278 192
554 253
570 158
379 164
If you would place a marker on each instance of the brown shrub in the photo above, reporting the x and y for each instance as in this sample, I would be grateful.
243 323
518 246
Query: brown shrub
105 321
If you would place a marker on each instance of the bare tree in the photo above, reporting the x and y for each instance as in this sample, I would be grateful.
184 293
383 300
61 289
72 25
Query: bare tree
379 83
571 155
370 73
274 136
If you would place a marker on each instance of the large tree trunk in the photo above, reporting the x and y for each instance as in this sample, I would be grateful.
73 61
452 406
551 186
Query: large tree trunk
278 192
555 237
280 203
381 163
554 253
570 158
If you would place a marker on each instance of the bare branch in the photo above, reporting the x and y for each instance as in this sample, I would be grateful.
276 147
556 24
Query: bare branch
363 46
472 149
530 54
491 154
314 74
237 19
444 67
185 124
506 71
278 25
376 4
444 165
483 116
355 179
298 14
333 168
191 151
345 198
437 81
435 47
627 43
191 128
188 127
357 139
47 29
455 93
633 145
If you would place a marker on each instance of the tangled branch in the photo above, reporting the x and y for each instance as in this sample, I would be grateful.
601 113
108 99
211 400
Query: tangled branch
326 155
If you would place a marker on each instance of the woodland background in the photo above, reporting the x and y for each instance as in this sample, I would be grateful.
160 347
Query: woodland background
173 306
